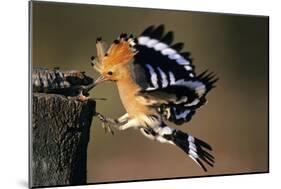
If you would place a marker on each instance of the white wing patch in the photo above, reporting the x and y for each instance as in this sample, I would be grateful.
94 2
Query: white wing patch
198 86
163 48
153 76
188 68
151 43
168 51
163 77
160 46
182 61
172 78
174 56
193 103
182 114
143 40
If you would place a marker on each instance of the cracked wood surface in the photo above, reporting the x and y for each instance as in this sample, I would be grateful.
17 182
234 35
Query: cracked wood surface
60 136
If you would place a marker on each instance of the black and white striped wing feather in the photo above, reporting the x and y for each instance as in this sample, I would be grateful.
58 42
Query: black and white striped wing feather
167 76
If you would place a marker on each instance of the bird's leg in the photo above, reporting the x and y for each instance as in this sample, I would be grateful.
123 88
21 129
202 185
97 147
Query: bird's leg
107 123
124 118
147 122
130 123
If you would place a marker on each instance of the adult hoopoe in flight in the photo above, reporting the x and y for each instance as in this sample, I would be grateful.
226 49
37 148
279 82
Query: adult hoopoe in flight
156 83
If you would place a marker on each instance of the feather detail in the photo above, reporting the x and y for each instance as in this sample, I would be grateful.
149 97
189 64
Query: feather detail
167 77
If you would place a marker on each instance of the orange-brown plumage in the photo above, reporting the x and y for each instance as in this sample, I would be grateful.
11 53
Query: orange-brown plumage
161 87
118 53
116 61
128 89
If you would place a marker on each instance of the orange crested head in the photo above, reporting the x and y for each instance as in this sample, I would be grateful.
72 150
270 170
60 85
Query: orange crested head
111 63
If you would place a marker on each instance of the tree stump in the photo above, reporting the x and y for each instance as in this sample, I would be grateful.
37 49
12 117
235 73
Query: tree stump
59 139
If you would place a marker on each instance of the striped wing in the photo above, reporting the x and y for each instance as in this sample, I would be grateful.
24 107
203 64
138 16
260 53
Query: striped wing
167 76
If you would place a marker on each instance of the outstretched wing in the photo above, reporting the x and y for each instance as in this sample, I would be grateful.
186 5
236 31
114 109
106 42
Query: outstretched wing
167 76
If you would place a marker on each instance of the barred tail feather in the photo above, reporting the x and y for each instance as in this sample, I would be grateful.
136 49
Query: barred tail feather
196 149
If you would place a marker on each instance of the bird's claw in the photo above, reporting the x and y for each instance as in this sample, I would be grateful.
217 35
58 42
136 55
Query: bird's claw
107 123
107 128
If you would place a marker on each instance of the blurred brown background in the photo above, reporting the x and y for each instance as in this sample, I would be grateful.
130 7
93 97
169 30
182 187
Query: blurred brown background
235 120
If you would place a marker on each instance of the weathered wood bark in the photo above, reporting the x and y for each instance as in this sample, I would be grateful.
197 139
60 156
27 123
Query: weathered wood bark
60 136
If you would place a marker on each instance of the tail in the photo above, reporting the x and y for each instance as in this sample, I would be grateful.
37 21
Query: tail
195 148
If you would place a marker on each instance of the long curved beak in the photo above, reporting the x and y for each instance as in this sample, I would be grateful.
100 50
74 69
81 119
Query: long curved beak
99 80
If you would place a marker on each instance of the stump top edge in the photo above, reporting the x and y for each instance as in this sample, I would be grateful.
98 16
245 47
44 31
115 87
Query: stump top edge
48 96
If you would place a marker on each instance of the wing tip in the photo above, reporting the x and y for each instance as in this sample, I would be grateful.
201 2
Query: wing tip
148 30
208 78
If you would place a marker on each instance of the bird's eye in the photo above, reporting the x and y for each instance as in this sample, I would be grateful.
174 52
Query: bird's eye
110 73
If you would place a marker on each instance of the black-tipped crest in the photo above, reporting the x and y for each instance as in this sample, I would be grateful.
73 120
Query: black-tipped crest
98 39
123 35
136 40
116 41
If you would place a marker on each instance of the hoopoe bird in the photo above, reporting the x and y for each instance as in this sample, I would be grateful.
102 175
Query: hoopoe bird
157 84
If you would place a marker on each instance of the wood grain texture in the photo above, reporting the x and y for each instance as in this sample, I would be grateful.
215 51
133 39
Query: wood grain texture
60 136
